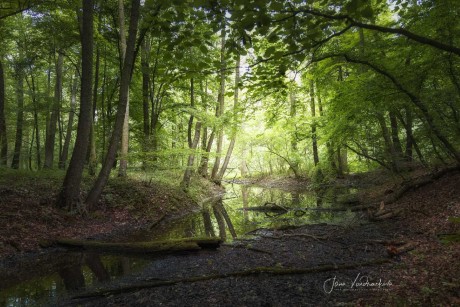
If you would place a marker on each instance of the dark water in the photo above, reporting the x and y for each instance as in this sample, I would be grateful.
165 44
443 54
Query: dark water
54 278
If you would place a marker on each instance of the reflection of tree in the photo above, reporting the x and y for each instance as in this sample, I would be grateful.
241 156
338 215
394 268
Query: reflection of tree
223 218
220 222
245 197
319 197
72 277
295 202
208 229
93 261
189 230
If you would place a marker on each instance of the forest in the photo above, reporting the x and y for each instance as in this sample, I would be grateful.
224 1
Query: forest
123 115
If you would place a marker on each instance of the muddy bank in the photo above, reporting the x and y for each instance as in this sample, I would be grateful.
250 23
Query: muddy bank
29 216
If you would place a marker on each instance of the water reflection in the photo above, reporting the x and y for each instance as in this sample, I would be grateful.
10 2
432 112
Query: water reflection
47 287
228 218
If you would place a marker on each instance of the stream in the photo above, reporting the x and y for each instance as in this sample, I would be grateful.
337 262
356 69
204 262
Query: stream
52 278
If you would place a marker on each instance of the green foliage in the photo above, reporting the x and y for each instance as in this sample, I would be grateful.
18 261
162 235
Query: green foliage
382 97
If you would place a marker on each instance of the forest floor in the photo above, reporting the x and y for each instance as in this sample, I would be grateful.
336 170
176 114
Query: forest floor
361 263
400 260
28 215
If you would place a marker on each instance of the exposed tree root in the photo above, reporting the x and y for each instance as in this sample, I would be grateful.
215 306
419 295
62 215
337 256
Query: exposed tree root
244 273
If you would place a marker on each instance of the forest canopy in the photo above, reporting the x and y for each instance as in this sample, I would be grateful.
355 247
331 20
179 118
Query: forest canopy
227 88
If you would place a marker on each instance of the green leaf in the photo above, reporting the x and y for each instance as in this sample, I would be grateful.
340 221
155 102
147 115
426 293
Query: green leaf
269 51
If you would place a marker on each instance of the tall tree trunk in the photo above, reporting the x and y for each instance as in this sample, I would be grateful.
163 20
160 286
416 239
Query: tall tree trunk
409 135
51 136
92 155
69 195
34 90
145 95
126 73
342 158
68 135
190 121
220 103
205 146
191 158
313 125
235 123
19 119
329 146
125 133
394 135
3 139
389 148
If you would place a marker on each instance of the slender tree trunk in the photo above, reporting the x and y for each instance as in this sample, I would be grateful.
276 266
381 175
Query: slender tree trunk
220 103
125 133
329 146
293 134
394 135
31 146
313 125
409 135
235 123
126 73
92 155
389 148
190 121
34 90
3 139
68 135
206 147
145 95
51 136
70 191
191 158
19 120
342 158
103 107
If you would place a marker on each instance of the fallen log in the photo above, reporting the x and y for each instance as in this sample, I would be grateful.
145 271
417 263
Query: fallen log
245 273
170 246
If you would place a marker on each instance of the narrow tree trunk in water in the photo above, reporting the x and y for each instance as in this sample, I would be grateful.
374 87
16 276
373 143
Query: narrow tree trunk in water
51 136
128 64
69 195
